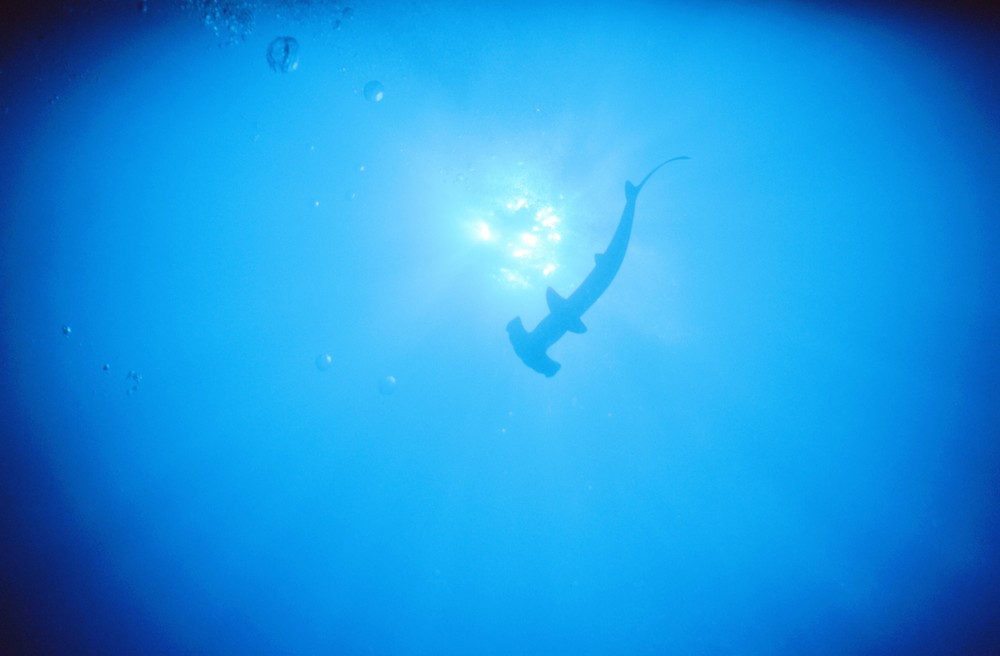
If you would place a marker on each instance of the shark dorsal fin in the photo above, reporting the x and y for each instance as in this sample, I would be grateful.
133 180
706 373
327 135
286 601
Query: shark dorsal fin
556 303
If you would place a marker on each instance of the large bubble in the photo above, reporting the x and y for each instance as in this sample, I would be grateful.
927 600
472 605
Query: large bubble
374 91
283 54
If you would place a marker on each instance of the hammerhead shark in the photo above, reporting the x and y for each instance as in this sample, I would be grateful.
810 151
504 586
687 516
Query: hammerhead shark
565 313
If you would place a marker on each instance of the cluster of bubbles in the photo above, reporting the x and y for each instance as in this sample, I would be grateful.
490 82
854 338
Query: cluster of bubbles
324 361
320 12
231 20
346 13
283 57
132 378
386 384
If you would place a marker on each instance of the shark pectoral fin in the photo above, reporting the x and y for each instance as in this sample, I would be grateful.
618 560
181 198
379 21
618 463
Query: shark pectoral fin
560 307
557 304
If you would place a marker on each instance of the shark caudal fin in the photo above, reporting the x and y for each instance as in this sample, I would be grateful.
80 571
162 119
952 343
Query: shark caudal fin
632 191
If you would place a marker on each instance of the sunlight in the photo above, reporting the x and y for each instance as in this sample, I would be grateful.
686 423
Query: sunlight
483 231
523 236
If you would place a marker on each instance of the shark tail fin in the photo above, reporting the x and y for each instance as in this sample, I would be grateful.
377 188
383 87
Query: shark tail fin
632 191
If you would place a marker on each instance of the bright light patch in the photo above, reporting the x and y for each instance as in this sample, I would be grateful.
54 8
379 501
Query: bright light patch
547 218
483 230
513 278
523 232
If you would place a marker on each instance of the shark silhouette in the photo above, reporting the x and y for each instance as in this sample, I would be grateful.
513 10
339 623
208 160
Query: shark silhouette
565 313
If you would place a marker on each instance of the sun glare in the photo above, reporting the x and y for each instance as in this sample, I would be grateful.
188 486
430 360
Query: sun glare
483 231
524 235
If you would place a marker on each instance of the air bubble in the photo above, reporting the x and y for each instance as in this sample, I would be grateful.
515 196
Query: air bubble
374 91
387 385
134 378
283 54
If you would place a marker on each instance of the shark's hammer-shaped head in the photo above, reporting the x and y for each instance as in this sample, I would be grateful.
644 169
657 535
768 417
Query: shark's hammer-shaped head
531 351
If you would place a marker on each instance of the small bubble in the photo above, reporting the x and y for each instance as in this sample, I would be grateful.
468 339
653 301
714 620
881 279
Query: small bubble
66 330
374 91
134 378
387 385
106 368
324 362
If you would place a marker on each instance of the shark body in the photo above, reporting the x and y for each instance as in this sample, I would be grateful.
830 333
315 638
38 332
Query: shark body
565 313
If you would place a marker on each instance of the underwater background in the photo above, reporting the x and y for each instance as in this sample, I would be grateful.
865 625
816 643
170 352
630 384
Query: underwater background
257 260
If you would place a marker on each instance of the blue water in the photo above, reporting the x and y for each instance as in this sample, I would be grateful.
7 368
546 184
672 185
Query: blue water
258 397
